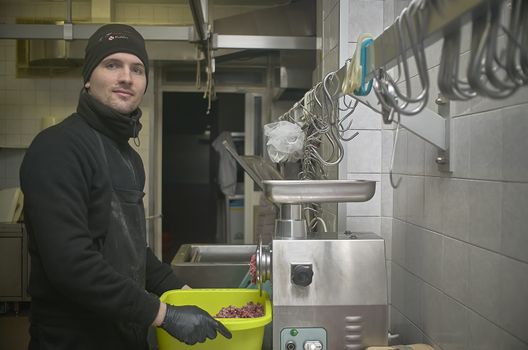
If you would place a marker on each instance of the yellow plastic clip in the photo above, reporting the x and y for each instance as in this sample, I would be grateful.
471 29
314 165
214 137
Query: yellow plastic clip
355 68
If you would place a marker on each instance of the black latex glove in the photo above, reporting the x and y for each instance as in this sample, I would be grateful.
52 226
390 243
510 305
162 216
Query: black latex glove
191 325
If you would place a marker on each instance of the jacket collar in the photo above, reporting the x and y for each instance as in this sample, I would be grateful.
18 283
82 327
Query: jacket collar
119 127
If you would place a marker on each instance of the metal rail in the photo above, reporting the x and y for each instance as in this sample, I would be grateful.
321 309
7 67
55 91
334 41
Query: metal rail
223 41
84 31
448 15
383 53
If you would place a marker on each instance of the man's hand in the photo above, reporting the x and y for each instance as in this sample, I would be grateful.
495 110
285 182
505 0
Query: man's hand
191 325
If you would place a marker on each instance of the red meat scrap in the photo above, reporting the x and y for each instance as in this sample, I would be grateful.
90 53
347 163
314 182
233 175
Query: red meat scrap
250 310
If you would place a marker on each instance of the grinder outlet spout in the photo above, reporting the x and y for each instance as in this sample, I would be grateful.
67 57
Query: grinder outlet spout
263 264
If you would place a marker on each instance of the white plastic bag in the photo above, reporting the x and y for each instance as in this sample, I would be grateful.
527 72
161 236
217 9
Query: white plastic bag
285 141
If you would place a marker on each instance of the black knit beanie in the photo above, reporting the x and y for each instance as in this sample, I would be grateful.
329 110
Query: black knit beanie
110 39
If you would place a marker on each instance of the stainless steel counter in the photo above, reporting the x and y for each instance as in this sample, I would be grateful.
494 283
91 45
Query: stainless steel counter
212 265
13 262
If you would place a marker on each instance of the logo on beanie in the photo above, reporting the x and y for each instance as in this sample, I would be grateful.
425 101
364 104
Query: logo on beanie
113 35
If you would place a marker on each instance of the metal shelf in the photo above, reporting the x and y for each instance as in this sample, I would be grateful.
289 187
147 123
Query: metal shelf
14 146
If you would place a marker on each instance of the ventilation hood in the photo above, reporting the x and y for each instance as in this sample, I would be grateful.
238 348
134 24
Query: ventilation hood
293 75
45 55
295 19
55 53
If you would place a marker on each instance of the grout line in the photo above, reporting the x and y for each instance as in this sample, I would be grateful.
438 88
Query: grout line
462 241
456 301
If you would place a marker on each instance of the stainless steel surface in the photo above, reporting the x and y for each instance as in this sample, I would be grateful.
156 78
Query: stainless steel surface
10 266
291 212
256 167
212 265
352 327
8 229
84 31
199 14
346 271
290 229
13 263
263 42
295 77
263 264
307 191
348 292
291 223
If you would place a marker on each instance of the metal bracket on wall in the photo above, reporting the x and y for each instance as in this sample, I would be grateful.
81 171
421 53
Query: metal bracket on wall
432 127
445 156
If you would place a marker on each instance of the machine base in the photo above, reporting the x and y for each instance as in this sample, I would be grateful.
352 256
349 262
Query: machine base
335 327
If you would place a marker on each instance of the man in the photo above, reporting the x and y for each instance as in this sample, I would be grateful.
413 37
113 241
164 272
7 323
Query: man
92 274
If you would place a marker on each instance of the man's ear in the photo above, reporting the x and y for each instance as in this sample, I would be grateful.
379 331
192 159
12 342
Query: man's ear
87 85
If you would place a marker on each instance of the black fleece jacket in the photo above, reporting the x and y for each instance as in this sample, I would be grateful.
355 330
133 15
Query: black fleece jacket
66 212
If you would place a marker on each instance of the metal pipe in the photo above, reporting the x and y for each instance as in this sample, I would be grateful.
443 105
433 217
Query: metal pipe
84 31
69 11
198 18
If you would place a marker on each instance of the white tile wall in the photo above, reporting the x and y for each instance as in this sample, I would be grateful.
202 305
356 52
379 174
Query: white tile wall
366 16
371 207
364 152
458 242
24 102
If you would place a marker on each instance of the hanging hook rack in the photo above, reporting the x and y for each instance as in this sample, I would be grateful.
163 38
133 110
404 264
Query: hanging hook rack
385 52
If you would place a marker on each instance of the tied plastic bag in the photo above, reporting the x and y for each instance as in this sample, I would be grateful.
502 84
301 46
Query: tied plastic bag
285 141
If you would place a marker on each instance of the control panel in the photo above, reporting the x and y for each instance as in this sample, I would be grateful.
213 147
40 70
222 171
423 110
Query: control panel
303 339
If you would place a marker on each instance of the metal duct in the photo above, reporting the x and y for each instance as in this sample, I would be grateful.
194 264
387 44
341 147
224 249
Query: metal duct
55 53
295 19
295 74
62 53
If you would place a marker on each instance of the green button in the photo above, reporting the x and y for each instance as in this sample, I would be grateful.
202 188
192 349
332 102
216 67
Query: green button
294 332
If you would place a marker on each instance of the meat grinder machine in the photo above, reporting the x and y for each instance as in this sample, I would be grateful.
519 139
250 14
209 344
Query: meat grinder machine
329 290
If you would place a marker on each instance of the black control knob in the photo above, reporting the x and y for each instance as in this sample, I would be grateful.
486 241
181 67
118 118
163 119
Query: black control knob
302 274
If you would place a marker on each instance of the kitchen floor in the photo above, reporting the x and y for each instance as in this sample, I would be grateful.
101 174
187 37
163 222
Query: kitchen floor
14 333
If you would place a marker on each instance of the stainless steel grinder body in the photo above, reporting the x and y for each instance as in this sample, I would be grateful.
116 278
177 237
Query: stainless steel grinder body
329 292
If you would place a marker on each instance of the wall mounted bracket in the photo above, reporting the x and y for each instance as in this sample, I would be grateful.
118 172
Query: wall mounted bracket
430 126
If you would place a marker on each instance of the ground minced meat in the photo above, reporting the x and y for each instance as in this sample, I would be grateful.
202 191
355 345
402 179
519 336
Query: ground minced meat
250 310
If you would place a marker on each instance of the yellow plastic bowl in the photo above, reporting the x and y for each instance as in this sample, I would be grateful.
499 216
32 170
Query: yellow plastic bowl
248 333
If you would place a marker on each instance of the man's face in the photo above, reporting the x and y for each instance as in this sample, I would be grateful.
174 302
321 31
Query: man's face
118 82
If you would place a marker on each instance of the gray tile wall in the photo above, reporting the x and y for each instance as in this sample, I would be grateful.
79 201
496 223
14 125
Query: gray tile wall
364 158
458 258
457 244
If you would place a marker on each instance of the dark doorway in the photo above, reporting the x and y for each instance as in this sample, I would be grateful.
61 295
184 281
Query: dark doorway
190 192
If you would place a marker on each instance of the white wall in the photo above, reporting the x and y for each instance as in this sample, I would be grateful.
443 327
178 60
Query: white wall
472 287
24 102
457 244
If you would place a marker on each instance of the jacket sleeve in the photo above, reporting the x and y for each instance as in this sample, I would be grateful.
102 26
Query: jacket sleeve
160 277
56 179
